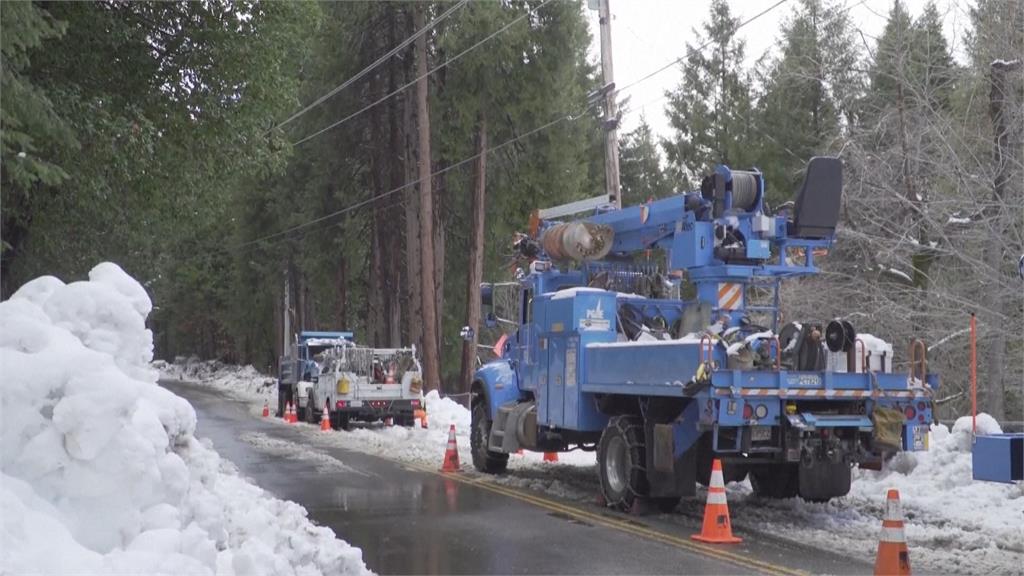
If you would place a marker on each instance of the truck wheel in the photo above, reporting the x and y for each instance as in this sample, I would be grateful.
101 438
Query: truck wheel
484 460
620 462
776 481
310 414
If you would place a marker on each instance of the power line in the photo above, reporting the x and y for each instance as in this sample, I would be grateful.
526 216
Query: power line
397 189
567 117
698 49
428 73
405 43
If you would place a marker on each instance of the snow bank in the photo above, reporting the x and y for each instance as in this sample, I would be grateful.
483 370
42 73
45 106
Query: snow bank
954 524
99 470
242 381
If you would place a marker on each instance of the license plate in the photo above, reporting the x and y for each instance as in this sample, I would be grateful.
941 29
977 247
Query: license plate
760 433
356 403
920 438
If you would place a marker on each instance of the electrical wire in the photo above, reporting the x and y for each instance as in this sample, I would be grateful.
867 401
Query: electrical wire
397 189
405 43
697 49
428 73
563 118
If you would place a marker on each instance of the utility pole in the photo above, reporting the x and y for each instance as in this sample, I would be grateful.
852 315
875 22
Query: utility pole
611 121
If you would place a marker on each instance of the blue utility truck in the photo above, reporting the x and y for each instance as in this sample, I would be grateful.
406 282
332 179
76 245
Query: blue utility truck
652 335
298 367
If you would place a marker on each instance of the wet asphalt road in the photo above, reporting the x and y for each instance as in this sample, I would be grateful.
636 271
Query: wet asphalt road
410 521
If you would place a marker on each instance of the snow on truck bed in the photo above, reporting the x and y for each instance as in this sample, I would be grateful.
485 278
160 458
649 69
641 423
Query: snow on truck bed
953 524
100 471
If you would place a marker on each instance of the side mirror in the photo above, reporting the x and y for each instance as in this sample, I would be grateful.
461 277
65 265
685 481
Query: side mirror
467 333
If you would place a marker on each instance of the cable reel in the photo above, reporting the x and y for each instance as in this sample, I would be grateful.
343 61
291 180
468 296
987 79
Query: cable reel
840 336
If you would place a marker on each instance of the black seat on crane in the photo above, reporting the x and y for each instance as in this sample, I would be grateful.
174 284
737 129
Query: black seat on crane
816 210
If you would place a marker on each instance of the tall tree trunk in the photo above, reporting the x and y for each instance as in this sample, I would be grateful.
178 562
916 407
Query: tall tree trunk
414 302
921 260
341 290
431 358
375 299
1006 154
439 250
475 270
396 215
378 288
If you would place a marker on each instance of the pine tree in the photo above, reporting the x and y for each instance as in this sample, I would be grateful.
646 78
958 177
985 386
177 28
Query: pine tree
710 109
32 128
640 167
809 86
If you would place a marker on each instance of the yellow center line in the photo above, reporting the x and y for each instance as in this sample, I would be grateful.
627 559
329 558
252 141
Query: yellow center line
617 524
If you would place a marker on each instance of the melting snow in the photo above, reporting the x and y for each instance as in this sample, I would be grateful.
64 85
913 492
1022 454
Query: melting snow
953 524
100 472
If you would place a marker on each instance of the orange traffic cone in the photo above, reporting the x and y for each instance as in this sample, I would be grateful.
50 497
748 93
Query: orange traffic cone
451 454
717 528
551 456
423 418
893 557
325 418
292 418
266 409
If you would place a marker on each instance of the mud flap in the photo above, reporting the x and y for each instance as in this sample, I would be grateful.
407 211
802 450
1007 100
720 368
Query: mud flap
823 480
667 475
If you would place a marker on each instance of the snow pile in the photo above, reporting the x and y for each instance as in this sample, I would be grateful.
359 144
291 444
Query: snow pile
954 524
100 472
573 476
242 381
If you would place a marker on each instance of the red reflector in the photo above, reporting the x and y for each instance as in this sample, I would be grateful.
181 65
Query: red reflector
341 404
415 403
910 412
920 406
920 418
748 411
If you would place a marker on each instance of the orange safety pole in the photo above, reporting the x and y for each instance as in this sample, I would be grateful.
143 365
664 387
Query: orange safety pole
974 377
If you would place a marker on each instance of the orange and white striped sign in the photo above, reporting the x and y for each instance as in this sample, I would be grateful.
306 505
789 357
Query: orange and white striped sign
820 393
730 296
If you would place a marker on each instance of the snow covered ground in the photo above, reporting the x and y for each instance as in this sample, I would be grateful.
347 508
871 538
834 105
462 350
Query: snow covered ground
100 471
953 524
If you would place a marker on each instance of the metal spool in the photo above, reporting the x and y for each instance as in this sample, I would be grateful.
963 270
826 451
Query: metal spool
744 190
578 241
839 336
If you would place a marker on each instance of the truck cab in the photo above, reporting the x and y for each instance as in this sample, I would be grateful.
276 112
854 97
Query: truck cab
299 367
652 335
